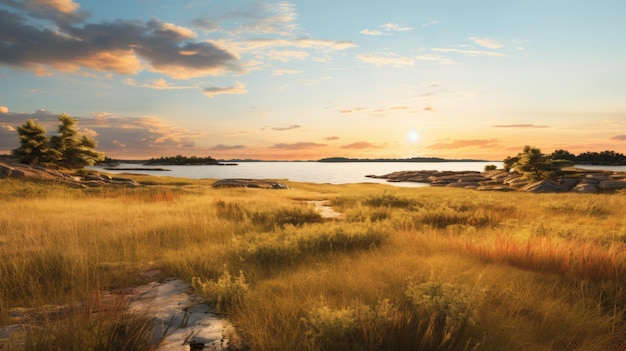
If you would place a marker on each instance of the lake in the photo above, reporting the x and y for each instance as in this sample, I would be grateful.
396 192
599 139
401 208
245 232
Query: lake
311 172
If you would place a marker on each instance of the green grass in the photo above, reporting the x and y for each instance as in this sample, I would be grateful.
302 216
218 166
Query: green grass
407 268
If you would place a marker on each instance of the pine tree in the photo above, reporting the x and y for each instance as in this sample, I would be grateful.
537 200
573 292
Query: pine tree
34 144
77 150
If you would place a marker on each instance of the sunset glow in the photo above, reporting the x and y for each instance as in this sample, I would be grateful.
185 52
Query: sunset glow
303 80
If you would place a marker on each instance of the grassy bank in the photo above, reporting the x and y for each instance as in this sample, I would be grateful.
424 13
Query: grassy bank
407 268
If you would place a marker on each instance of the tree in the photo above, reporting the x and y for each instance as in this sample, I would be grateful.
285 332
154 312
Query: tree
534 165
562 155
34 144
76 150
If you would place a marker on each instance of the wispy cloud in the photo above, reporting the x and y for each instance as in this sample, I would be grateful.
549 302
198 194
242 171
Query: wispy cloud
297 146
462 143
290 127
621 137
386 29
436 59
287 55
238 88
373 32
380 60
222 147
470 52
282 72
524 126
158 84
360 145
488 43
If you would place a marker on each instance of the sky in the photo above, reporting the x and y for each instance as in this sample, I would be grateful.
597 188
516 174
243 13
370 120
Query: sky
304 80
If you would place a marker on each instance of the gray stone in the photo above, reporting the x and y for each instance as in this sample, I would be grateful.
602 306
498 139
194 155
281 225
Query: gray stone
544 186
612 184
585 188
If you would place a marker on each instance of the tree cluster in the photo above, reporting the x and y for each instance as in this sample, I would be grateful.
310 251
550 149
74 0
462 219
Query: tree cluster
182 160
591 158
69 149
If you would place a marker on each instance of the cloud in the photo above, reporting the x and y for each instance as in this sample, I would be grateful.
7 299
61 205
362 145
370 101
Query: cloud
287 55
282 72
159 84
122 47
621 137
60 11
222 147
303 43
373 32
293 126
487 43
238 88
381 60
435 58
263 18
461 143
116 135
330 138
360 145
470 52
4 110
297 146
387 28
520 126
394 27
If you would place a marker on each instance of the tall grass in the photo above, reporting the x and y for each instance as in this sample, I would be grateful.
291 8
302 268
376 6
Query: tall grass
423 268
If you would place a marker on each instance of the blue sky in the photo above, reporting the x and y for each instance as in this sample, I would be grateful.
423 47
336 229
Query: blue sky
312 79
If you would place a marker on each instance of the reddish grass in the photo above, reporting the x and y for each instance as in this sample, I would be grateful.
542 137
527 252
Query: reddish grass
585 260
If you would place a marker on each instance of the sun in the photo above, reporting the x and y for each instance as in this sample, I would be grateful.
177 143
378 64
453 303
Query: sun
413 136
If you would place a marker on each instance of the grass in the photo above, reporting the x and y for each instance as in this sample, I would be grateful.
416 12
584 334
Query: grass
407 268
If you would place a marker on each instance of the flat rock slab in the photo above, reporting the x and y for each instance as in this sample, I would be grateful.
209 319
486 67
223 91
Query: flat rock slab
249 183
325 210
181 317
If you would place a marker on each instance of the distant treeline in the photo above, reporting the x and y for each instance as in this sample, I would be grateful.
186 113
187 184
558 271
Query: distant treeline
608 158
412 159
182 160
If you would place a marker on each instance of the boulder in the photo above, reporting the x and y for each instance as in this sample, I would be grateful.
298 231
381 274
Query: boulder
544 186
612 184
585 188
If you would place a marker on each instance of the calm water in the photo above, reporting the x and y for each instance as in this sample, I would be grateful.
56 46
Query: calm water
312 172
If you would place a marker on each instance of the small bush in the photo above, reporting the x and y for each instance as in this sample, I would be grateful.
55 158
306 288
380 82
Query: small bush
357 327
226 292
286 245
296 216
389 200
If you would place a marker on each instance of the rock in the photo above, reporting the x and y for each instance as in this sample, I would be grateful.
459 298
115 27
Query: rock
612 185
544 186
585 188
569 183
249 183
10 169
494 188
598 177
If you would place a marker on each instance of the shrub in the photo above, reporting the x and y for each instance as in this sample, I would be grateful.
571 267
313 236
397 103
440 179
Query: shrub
226 292
389 200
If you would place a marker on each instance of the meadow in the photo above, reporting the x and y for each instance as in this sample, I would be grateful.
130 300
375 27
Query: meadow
404 269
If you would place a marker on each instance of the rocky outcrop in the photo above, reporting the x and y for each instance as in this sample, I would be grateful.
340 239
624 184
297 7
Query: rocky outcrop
10 169
573 180
249 183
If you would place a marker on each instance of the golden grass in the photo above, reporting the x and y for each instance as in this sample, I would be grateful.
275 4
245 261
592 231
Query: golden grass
537 271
